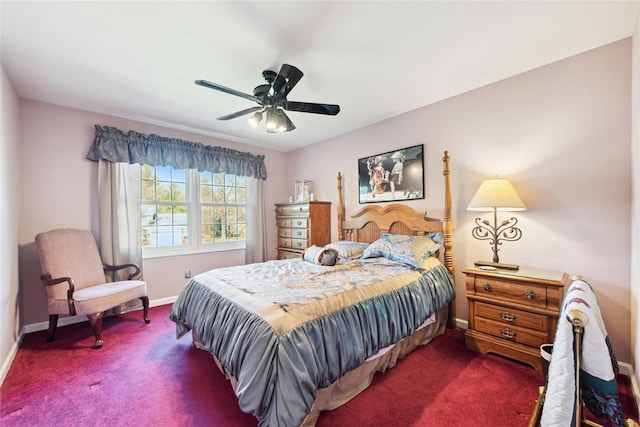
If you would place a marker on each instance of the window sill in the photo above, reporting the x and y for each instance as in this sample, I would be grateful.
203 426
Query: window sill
162 253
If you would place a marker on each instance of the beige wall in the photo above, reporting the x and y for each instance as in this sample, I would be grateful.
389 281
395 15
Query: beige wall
561 133
9 199
635 225
59 190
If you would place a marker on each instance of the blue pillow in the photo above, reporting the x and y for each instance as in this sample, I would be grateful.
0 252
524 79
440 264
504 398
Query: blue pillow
410 250
348 249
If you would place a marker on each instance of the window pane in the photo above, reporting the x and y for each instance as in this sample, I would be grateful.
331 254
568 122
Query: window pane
148 190
205 177
179 192
206 215
218 178
242 232
163 173
218 194
206 194
149 214
240 195
148 172
231 195
163 191
207 234
232 215
178 175
242 214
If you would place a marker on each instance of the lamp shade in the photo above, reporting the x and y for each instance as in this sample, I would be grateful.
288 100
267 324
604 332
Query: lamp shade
496 194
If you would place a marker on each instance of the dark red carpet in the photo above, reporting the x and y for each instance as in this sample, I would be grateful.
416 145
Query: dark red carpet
143 376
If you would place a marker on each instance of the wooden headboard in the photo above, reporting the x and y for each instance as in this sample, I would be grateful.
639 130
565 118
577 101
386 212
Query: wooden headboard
368 223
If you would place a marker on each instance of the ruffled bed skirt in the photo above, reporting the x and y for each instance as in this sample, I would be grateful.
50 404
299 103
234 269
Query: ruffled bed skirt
357 380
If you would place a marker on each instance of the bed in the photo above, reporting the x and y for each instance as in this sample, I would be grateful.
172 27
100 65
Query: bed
296 337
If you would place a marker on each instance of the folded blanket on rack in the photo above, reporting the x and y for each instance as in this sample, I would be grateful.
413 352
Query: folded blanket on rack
598 366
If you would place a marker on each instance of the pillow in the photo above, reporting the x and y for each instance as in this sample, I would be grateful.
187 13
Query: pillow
410 250
321 256
347 249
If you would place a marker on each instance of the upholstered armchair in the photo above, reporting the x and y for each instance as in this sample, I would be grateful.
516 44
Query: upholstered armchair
75 280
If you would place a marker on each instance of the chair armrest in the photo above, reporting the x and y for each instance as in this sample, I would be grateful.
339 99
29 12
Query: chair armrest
120 267
48 281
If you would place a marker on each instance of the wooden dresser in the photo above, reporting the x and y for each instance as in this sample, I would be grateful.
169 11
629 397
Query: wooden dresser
301 225
512 313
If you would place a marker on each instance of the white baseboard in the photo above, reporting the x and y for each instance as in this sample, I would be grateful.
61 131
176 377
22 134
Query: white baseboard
63 321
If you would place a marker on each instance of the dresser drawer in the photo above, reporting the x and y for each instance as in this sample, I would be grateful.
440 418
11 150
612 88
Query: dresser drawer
293 222
282 254
285 242
529 294
297 208
511 333
510 316
294 233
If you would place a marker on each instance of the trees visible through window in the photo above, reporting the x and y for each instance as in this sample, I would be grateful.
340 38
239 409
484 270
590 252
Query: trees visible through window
186 210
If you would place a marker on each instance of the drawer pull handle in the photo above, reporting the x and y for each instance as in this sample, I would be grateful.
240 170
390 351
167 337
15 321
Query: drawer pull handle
486 287
507 333
505 315
530 294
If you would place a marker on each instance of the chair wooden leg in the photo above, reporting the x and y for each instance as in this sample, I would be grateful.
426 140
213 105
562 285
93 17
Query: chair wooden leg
53 326
96 324
145 309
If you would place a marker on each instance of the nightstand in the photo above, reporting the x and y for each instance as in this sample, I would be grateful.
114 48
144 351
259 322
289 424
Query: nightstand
512 313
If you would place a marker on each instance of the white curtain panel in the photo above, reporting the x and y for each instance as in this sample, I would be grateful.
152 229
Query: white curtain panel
119 207
256 222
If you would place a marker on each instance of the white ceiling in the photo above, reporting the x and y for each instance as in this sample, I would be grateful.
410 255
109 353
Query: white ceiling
375 59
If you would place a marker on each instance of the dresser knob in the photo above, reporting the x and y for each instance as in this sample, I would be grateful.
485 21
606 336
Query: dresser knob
507 316
507 333
530 294
486 287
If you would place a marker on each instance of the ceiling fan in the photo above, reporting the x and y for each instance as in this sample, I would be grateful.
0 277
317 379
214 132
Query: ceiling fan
272 100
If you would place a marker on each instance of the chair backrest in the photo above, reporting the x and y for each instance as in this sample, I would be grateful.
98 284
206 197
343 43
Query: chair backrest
69 253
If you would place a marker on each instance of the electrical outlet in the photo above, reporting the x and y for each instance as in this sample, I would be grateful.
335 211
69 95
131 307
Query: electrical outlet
187 274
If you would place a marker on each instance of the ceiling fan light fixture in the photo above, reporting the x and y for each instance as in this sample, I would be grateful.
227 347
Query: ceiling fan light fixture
255 119
284 123
272 120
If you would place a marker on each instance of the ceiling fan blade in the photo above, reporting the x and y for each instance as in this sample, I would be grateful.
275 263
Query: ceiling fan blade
240 113
309 107
287 78
225 89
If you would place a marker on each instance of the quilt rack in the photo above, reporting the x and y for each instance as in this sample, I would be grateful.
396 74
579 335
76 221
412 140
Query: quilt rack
578 320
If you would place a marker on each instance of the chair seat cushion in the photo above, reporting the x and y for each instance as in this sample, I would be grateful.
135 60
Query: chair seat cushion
102 297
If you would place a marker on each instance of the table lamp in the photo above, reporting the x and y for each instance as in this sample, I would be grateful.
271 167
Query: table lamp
496 195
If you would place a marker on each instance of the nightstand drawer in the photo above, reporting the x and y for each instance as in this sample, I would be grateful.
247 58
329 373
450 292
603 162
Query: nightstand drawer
511 333
510 316
521 293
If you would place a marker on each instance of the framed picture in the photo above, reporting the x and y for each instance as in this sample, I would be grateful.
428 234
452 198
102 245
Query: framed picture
393 176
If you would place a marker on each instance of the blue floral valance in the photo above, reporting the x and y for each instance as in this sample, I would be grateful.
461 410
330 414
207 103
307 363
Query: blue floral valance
115 146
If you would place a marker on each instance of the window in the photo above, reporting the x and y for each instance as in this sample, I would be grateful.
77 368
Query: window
186 211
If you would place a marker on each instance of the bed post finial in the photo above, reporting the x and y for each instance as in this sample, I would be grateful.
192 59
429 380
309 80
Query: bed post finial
340 208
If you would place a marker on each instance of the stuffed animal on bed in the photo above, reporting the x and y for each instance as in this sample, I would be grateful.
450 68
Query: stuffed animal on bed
321 256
